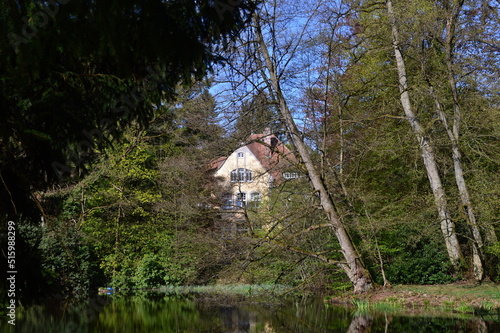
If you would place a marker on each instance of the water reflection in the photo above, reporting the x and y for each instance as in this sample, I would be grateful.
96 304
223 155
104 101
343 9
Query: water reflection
173 313
360 324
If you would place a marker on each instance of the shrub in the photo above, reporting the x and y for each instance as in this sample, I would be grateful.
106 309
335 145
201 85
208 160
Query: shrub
424 265
149 273
67 260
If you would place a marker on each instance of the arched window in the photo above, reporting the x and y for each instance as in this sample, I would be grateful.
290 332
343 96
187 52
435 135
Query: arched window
241 175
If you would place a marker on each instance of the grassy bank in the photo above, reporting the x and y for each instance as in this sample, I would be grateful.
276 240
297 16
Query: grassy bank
247 290
457 298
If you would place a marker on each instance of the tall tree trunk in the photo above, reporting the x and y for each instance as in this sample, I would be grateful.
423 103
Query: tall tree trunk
447 225
477 244
354 266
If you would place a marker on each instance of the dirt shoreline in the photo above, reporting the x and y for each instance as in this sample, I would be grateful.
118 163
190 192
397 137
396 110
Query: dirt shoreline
457 297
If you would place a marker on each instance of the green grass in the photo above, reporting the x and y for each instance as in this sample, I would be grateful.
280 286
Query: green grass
247 290
487 306
458 299
389 306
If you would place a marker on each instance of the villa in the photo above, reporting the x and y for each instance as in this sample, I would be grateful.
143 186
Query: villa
250 171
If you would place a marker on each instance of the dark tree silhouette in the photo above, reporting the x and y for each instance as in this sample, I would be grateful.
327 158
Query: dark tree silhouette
74 74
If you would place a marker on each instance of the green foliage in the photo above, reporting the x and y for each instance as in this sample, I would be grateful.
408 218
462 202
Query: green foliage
68 264
279 250
493 253
143 207
179 273
494 249
150 273
70 83
424 264
118 271
54 260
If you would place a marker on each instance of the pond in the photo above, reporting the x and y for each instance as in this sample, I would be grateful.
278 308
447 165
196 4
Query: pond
163 312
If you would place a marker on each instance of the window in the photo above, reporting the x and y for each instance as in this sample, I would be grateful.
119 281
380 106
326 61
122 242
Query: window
248 175
290 175
232 202
240 155
241 200
241 175
227 201
256 197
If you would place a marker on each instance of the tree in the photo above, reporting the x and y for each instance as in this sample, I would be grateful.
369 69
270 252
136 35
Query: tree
337 81
449 38
273 62
76 74
456 26
430 69
145 207
428 155
354 267
72 81
256 116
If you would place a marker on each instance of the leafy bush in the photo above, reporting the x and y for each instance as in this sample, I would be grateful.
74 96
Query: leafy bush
119 271
150 273
425 264
67 260
493 262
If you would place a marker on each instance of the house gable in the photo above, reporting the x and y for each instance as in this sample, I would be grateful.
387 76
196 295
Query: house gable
249 171
243 158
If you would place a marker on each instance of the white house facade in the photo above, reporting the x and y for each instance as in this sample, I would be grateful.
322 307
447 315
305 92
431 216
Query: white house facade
252 169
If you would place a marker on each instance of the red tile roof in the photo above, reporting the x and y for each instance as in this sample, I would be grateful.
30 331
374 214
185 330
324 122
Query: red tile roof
215 164
271 153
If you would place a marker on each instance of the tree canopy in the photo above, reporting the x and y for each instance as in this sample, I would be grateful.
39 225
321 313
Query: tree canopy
74 74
